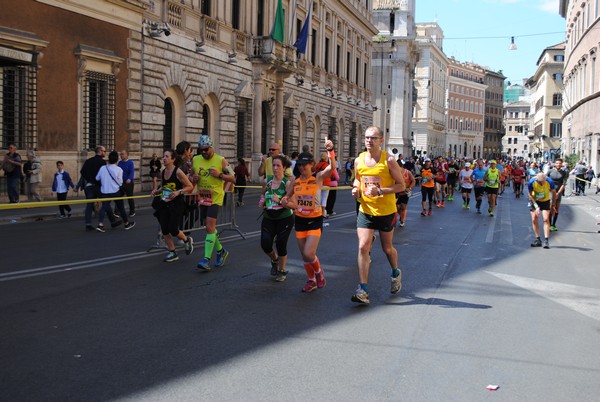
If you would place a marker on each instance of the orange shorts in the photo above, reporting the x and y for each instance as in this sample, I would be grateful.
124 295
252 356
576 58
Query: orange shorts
305 233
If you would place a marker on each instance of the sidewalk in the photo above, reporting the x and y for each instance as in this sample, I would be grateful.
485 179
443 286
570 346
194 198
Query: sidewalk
46 213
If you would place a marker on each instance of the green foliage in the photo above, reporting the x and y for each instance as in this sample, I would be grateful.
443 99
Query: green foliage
571 159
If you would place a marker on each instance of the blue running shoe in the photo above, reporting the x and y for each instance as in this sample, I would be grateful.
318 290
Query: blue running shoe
221 257
204 264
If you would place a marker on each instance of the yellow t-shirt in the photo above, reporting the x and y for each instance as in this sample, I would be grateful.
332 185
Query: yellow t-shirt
210 189
378 175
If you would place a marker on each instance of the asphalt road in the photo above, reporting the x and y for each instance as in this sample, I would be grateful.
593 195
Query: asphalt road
96 317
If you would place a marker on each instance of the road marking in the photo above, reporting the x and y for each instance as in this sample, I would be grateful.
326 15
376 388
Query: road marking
505 226
582 299
490 233
97 262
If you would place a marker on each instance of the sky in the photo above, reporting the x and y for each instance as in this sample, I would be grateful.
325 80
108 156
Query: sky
468 24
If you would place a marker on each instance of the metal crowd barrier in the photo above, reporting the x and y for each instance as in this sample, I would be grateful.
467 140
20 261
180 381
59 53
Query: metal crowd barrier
191 221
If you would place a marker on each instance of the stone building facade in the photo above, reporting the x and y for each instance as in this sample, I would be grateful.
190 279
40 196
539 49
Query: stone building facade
431 84
581 100
515 143
466 109
546 104
494 129
393 64
146 74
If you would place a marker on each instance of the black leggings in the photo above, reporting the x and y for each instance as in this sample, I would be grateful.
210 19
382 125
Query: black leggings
169 216
278 230
427 192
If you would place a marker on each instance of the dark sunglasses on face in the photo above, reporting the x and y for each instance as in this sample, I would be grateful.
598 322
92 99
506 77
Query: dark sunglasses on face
204 150
273 149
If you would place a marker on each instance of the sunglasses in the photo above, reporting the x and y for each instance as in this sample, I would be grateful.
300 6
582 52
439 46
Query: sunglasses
273 149
204 150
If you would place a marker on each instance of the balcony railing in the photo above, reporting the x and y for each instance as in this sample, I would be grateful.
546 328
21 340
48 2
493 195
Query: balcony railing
267 50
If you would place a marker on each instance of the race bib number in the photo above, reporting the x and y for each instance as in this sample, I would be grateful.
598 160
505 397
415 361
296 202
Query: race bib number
452 170
306 204
371 181
540 195
467 179
480 183
491 181
425 179
270 204
205 197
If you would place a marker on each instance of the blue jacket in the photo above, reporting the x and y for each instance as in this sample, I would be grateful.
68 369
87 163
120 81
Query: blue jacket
128 169
66 178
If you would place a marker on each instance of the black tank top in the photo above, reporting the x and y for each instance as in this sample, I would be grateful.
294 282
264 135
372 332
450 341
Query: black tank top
172 182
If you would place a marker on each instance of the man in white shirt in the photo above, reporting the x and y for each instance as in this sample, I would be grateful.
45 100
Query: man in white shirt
111 179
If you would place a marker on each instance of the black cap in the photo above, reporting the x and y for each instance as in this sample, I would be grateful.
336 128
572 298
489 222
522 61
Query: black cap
305 157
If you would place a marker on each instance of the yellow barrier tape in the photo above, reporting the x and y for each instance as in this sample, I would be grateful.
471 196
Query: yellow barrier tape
29 205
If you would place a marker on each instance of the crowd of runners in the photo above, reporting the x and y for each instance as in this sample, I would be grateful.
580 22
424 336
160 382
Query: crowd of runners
382 184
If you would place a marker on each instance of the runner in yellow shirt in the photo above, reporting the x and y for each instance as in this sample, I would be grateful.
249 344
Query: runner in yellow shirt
378 178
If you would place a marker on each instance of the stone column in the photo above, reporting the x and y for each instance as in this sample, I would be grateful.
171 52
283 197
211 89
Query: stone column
256 125
279 110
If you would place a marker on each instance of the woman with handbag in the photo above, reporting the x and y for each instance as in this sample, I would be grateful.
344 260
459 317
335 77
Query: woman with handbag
170 204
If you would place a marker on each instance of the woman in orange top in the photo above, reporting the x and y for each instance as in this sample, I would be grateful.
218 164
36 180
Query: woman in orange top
427 186
305 199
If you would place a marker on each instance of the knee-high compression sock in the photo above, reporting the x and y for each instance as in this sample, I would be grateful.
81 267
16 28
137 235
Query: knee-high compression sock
310 271
218 245
554 218
316 264
468 200
209 244
478 204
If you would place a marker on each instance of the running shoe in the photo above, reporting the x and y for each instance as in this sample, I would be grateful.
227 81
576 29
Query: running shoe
536 243
221 257
491 213
401 224
438 205
479 211
320 279
424 212
464 205
443 204
189 245
546 244
396 284
132 214
360 296
553 228
129 225
204 264
430 212
281 275
101 229
274 267
309 287
172 256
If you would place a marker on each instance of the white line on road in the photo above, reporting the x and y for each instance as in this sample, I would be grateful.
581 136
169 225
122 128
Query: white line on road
582 299
86 264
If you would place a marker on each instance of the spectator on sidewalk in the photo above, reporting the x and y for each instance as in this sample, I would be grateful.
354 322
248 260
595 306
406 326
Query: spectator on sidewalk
111 179
155 170
33 175
12 166
60 185
91 186
128 168
242 176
